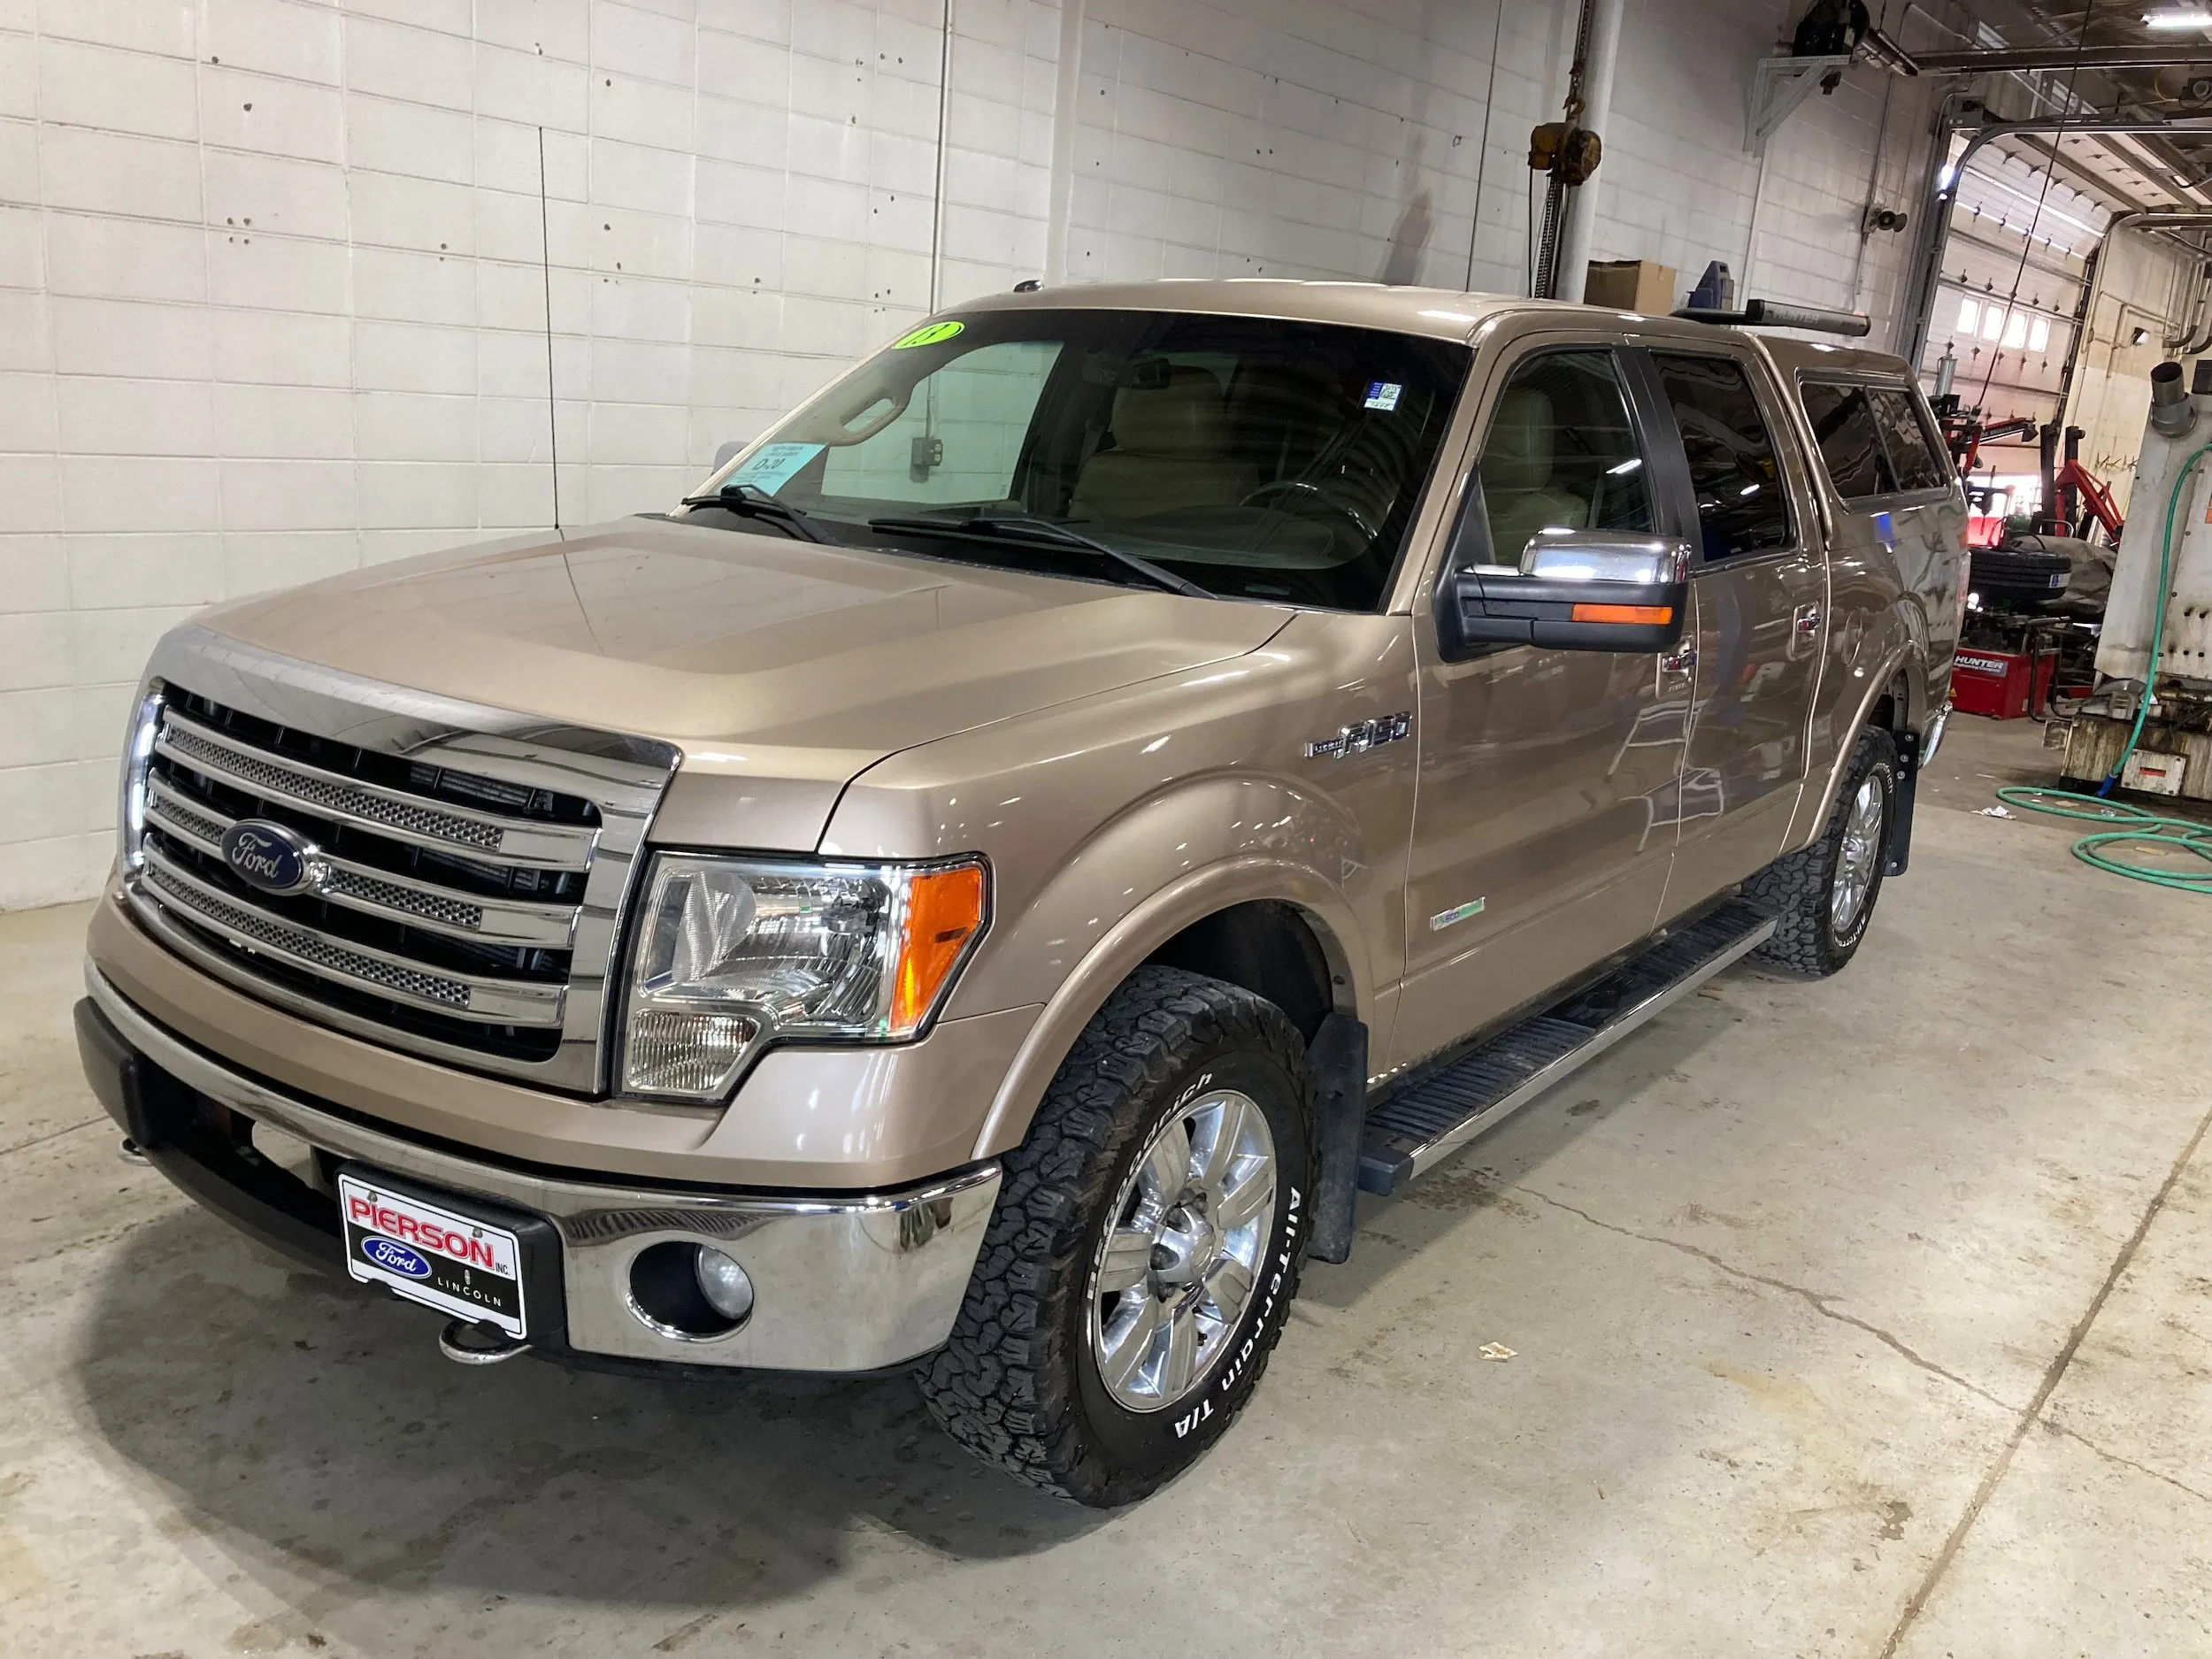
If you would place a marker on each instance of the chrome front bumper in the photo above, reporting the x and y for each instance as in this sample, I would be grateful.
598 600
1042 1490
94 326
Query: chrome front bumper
849 1283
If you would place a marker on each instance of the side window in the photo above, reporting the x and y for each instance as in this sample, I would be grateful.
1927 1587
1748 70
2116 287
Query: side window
1906 436
1742 504
1850 445
959 437
1562 453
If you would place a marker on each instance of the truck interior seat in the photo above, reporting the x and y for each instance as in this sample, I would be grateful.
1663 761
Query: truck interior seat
1172 452
1519 485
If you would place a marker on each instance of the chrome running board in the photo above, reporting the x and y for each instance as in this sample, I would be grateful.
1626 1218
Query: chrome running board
1413 1132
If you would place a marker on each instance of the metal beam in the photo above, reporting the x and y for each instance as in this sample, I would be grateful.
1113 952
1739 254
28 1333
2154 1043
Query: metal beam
2156 55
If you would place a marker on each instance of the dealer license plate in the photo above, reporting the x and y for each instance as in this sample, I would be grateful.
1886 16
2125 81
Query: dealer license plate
440 1258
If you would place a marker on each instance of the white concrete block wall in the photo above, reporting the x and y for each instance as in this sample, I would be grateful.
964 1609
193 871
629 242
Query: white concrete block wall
274 273
1308 139
1247 138
273 291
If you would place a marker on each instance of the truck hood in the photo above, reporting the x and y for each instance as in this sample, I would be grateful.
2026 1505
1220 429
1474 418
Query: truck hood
781 669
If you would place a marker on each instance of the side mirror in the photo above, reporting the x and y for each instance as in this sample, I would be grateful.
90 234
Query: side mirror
726 453
1575 590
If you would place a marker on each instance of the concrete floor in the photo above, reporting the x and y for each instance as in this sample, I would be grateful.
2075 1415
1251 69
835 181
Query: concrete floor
1864 1318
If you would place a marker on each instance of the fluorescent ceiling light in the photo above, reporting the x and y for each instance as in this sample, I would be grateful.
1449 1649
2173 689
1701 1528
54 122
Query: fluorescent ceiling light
2177 18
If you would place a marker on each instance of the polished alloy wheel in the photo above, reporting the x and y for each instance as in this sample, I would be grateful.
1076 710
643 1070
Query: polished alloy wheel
1176 1267
1859 857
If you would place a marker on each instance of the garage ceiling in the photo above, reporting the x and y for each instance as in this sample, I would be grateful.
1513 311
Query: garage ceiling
2114 63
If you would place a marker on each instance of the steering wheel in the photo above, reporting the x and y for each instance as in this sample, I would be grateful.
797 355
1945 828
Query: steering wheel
1312 495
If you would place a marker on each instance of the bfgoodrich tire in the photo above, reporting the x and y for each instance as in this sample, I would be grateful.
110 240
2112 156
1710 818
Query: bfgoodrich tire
1145 1245
1823 897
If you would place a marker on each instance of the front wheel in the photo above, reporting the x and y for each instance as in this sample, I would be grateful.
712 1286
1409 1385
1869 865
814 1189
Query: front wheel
1824 896
1145 1248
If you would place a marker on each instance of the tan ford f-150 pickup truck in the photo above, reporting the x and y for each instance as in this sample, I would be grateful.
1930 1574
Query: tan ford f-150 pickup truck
979 887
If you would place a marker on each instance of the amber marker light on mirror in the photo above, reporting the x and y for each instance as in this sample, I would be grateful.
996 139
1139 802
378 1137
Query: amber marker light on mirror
944 912
1648 615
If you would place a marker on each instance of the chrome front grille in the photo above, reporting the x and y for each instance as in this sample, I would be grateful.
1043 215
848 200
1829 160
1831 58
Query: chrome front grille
468 870
352 886
312 951
298 786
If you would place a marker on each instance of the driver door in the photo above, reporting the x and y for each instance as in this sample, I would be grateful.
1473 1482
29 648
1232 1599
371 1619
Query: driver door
1545 821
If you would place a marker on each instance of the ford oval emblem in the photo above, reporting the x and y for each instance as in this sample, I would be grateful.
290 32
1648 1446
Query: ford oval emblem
395 1257
270 856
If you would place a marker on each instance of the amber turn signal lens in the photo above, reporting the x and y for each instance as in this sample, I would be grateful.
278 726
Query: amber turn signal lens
944 910
1649 616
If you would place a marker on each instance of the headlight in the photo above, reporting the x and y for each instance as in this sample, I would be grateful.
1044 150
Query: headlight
138 750
733 953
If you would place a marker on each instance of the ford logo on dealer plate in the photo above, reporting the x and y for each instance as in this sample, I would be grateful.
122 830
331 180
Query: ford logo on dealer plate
395 1257
270 856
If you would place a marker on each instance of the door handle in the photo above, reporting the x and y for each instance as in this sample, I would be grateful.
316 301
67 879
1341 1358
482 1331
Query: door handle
1680 660
1806 621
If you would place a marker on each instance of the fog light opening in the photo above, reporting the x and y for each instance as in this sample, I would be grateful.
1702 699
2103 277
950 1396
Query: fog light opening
689 1291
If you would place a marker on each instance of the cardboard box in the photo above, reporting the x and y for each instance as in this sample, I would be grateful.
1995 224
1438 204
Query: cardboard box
1632 285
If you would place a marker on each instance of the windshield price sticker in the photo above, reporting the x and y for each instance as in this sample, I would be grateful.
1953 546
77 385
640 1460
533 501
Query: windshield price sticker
1384 394
772 466
928 334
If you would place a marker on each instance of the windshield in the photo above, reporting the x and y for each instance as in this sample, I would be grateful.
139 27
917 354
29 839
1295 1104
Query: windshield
1251 457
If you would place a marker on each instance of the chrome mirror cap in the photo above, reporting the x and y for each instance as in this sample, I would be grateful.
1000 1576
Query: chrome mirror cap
1605 555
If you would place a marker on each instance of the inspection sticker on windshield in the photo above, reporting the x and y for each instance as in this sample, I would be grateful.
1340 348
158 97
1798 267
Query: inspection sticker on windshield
1384 394
927 334
773 465
430 1255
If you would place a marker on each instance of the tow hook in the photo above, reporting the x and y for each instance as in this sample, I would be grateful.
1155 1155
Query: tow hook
467 1343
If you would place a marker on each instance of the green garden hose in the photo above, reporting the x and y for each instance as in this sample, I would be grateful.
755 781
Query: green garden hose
2142 828
2139 827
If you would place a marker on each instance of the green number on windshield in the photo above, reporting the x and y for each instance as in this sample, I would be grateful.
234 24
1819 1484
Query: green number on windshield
927 334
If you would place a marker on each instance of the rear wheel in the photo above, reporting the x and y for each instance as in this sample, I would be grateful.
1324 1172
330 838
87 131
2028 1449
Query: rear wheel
1823 897
1145 1245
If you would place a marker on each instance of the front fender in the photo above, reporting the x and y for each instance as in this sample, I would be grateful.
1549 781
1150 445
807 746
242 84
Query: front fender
1067 931
1120 947
1113 824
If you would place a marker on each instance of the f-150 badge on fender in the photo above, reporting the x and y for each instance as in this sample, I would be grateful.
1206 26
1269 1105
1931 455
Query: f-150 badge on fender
1357 739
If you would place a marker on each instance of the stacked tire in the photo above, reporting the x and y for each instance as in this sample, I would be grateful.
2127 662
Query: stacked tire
2019 578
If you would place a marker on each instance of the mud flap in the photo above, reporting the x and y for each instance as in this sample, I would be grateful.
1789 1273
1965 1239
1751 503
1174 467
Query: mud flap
1338 1059
1898 854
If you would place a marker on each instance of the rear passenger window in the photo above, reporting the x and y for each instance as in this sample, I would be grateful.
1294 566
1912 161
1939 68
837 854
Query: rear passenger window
1561 454
1911 450
1850 446
1742 506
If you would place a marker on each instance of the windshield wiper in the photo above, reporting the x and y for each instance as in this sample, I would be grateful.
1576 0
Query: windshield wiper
981 528
750 501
